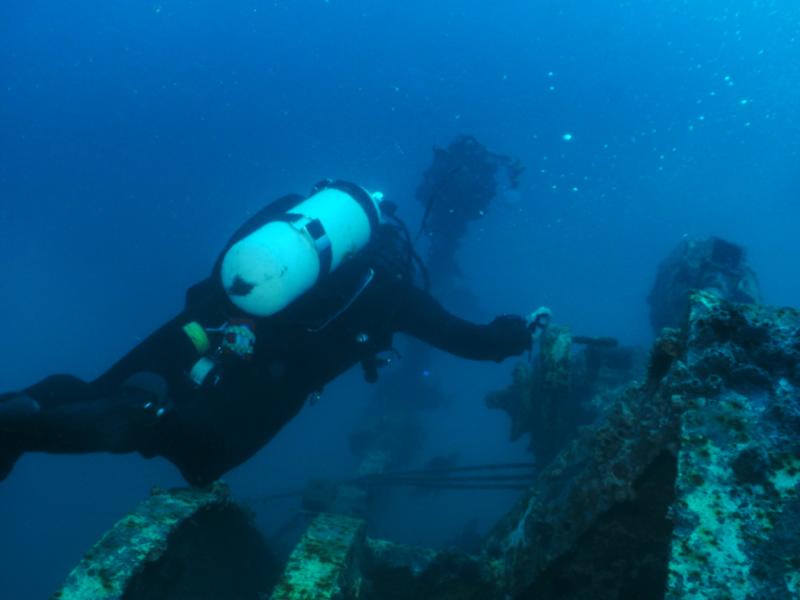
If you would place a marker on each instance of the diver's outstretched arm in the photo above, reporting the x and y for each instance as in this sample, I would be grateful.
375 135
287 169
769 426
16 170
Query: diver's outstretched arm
423 317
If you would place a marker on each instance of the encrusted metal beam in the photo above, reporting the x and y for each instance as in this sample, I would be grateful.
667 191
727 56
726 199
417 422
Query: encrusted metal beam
325 564
136 541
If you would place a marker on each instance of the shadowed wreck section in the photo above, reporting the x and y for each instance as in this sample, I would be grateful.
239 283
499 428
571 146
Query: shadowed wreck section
624 552
685 485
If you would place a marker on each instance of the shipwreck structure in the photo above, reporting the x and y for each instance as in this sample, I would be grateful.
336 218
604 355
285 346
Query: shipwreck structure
564 388
686 485
709 264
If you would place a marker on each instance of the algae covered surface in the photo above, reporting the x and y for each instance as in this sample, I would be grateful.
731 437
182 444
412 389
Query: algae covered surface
324 564
138 539
737 511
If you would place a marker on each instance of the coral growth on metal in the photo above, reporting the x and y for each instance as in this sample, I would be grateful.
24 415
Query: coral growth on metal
137 540
692 477
324 565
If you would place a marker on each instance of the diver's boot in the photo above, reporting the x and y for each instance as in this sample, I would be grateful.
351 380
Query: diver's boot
8 458
16 410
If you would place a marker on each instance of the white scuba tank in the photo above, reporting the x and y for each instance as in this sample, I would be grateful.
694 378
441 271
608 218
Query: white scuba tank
268 269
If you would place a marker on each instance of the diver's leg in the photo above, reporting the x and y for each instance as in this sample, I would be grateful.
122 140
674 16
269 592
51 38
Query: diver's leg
109 421
65 415
113 413
16 408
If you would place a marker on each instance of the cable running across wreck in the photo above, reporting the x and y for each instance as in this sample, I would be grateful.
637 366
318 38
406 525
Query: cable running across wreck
517 476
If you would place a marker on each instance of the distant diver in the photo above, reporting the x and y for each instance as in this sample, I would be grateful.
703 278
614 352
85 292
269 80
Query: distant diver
304 290
711 264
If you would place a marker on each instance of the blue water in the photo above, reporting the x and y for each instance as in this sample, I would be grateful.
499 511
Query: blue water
135 136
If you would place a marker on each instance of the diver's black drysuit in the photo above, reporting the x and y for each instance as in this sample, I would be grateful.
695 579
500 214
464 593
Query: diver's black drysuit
147 402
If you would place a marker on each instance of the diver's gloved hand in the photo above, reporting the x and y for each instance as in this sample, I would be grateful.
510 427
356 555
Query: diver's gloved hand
511 332
538 321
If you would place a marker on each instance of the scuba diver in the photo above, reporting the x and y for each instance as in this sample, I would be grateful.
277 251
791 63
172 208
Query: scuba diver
305 289
457 188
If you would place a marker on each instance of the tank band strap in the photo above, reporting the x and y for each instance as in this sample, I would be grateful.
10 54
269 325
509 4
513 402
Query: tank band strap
316 231
322 243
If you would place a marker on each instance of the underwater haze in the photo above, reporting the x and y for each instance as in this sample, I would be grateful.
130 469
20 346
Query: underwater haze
135 137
